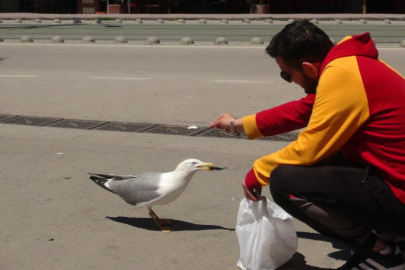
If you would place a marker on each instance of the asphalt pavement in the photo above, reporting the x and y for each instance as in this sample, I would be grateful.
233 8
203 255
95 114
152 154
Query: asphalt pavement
178 85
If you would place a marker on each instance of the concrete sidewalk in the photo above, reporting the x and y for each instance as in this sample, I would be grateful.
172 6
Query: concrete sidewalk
205 16
171 31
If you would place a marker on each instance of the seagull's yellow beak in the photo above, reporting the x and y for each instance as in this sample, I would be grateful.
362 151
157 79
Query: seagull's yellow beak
209 167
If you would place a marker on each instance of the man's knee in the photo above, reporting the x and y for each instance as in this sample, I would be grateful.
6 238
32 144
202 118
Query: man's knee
281 177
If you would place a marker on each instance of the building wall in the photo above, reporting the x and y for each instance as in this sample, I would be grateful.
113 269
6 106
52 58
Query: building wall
8 6
233 6
399 6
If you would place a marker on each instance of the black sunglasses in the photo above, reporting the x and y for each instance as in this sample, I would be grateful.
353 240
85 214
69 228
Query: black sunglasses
285 76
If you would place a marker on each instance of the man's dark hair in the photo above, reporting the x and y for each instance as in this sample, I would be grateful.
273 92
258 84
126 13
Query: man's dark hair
300 41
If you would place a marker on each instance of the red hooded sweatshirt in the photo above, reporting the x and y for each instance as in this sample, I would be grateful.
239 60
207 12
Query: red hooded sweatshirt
359 109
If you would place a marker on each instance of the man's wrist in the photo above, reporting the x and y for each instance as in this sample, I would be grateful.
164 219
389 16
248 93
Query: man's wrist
233 130
239 125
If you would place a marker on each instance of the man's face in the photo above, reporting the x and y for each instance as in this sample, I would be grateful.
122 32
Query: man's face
298 76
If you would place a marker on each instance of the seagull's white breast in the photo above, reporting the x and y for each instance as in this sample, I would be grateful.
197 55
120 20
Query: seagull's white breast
171 187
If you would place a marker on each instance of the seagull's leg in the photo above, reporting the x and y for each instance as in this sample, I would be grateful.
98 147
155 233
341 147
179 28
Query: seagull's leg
161 220
153 215
162 226
167 222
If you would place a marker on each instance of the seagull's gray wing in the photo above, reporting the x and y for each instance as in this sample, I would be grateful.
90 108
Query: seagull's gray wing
113 176
136 189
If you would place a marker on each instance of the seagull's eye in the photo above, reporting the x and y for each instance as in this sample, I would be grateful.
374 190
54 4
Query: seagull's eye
194 163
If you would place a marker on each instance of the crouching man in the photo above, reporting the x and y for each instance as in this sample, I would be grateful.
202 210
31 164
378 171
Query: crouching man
345 174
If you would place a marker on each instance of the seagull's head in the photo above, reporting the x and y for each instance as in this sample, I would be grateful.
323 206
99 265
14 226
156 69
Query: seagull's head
193 165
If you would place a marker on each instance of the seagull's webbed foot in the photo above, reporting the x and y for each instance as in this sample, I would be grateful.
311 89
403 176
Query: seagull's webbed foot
163 224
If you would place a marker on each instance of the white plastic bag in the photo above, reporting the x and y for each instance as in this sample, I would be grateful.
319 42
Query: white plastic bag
266 234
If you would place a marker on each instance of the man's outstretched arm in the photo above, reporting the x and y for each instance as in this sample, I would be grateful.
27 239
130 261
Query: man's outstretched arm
284 118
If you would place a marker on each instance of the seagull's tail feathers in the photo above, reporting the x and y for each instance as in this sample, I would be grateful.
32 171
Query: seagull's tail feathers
101 180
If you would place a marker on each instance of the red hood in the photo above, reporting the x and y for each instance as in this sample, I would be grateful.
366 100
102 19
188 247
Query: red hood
359 45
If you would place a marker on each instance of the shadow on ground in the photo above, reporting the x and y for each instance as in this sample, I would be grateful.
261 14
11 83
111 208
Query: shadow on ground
298 260
343 254
298 263
177 225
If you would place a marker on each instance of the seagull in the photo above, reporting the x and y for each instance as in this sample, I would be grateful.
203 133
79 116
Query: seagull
149 189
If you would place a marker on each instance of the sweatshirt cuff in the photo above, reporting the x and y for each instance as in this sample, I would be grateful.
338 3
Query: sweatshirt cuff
251 180
250 127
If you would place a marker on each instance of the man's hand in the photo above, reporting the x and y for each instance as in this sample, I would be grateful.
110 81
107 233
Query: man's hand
224 122
251 194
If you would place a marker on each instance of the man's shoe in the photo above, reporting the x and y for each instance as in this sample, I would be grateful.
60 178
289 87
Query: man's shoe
400 241
374 260
401 245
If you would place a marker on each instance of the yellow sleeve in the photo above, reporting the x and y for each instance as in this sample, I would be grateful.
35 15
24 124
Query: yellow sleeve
250 127
340 108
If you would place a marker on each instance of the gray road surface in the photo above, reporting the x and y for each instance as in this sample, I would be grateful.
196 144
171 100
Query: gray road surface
162 84
53 217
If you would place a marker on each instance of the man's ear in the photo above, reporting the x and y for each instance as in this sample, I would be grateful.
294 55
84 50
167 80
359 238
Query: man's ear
310 70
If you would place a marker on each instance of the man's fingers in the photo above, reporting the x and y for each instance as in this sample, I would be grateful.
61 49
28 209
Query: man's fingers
244 192
217 122
222 122
248 194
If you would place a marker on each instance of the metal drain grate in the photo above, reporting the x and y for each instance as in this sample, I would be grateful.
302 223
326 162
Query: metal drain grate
79 124
174 130
131 127
220 134
31 120
4 117
126 127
